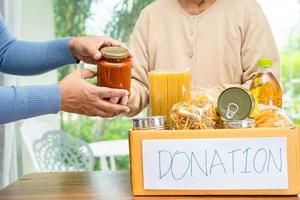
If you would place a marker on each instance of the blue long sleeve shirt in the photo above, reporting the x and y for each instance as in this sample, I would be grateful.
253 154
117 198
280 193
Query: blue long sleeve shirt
30 58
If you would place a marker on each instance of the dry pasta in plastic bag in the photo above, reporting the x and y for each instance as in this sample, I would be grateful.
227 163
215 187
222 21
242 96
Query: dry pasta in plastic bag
200 113
270 116
211 95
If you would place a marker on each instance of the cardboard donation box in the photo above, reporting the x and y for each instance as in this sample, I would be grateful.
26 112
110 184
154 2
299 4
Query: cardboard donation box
258 161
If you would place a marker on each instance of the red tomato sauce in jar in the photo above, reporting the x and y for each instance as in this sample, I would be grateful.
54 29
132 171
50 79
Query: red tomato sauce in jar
114 68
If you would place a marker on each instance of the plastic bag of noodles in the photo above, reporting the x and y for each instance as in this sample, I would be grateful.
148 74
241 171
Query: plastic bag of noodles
270 116
199 113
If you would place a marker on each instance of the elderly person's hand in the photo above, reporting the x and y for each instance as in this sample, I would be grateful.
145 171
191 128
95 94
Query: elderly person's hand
79 96
87 48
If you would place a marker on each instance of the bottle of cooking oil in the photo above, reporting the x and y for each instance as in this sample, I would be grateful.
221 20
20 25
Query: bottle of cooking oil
265 87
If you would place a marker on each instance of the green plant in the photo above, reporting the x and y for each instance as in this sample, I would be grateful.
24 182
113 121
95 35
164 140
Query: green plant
122 163
290 65
124 18
117 128
83 128
70 17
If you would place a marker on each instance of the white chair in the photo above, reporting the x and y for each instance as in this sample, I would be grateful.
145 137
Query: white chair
53 150
56 152
32 130
109 150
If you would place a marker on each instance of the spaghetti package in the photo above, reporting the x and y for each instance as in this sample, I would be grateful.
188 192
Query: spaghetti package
270 116
200 113
168 88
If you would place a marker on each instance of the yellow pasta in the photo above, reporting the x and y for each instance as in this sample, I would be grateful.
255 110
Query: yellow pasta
270 116
167 89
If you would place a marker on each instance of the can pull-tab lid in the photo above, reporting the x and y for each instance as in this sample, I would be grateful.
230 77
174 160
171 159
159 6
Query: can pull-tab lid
235 103
232 109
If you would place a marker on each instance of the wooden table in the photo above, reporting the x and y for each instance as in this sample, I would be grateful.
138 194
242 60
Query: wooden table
94 186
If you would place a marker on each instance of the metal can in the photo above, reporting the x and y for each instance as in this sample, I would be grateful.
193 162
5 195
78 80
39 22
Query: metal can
149 123
239 124
236 103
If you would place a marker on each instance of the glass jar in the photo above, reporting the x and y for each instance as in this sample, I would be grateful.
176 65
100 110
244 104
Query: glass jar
114 68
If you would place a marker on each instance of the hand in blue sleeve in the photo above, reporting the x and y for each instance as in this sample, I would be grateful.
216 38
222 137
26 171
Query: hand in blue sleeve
24 102
73 94
30 58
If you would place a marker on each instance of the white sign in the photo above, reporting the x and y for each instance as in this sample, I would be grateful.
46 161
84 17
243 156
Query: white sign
215 164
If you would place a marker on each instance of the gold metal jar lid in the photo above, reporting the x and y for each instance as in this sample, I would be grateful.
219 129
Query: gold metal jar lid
115 52
240 124
148 123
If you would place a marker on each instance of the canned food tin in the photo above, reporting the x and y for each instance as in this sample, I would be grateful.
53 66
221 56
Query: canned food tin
149 123
236 103
246 123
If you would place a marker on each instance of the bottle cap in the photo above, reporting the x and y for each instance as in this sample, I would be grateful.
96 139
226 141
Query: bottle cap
265 63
